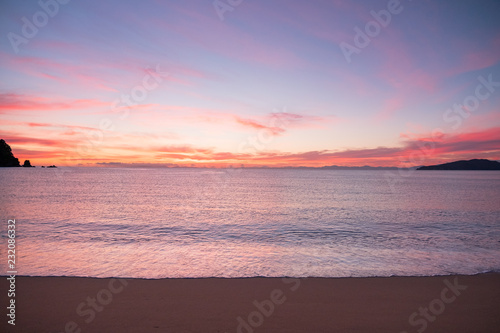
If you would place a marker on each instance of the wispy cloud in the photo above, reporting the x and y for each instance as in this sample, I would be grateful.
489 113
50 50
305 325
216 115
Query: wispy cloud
11 103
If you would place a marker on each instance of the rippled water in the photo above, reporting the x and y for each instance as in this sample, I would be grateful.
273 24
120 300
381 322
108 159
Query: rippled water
156 223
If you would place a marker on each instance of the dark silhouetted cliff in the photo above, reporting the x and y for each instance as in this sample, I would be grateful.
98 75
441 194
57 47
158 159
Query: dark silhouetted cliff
7 159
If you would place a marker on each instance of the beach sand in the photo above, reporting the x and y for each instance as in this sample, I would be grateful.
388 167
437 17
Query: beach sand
448 304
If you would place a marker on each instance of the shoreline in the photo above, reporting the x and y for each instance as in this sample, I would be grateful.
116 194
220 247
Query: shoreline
248 277
454 303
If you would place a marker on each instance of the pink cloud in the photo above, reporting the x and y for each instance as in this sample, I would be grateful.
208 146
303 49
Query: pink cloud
13 103
277 123
255 125
16 139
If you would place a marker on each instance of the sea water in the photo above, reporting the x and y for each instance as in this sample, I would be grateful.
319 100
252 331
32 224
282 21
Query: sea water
188 222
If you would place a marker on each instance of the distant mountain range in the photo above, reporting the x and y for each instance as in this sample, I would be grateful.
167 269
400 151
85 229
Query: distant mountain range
337 167
475 164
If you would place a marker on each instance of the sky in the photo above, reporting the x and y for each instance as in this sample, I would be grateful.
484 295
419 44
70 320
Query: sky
230 83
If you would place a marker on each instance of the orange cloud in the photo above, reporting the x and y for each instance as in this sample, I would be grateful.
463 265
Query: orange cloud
416 150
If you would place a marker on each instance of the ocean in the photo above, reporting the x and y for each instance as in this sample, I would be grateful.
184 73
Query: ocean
187 222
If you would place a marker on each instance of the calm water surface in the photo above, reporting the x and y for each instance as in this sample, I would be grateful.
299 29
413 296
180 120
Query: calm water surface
155 223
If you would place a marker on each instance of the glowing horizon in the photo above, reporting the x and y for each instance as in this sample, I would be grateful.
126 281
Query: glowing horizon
287 83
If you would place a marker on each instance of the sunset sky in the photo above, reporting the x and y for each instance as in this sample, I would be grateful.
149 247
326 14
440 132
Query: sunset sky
258 82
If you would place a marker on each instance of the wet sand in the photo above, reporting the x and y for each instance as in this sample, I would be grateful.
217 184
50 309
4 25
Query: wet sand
394 304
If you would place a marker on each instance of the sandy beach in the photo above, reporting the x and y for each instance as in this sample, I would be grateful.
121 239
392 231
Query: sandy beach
394 304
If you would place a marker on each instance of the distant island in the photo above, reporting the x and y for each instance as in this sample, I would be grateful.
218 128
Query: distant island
475 164
7 158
